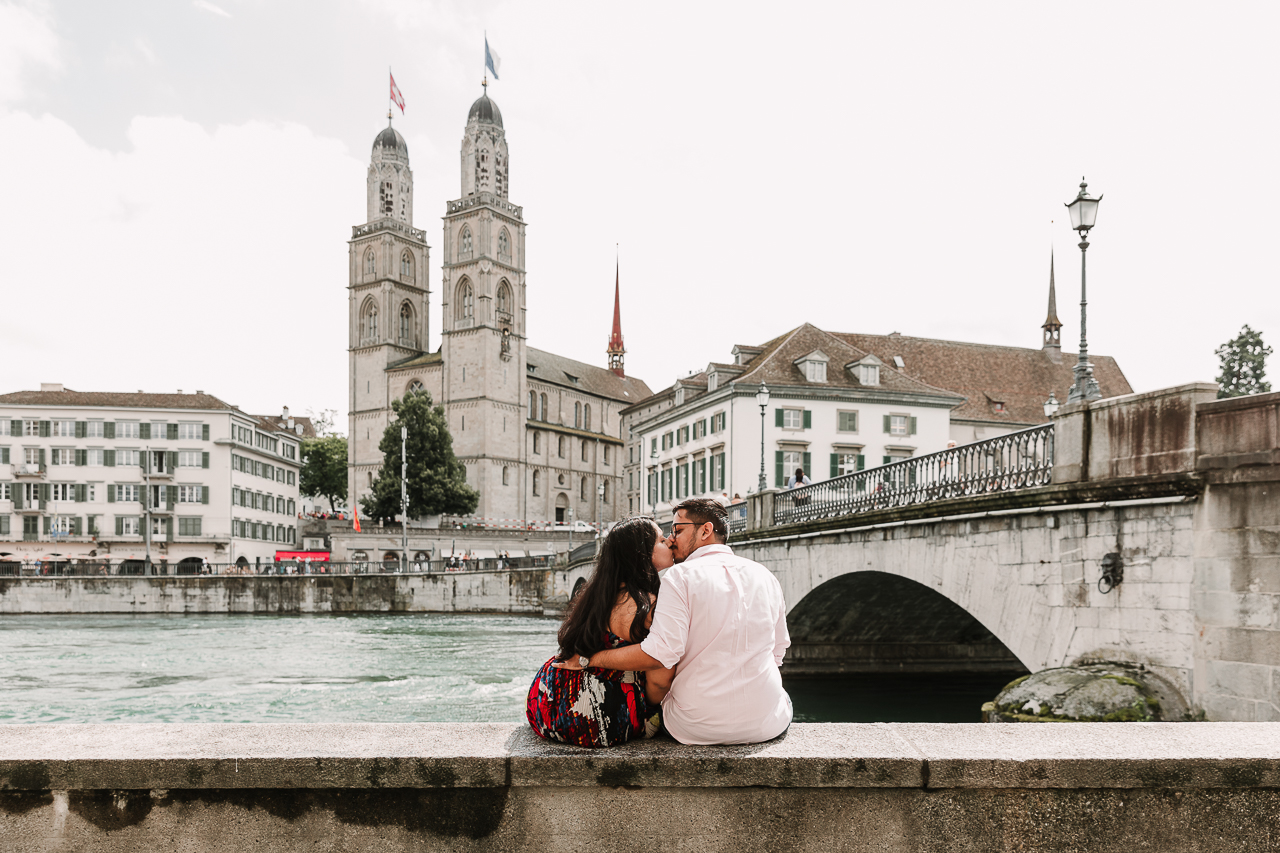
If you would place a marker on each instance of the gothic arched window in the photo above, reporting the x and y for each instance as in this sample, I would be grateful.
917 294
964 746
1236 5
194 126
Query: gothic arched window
370 263
406 324
560 447
542 407
586 416
577 415
533 405
537 482
504 245
464 309
368 322
464 243
504 298
406 267
582 490
584 450
537 442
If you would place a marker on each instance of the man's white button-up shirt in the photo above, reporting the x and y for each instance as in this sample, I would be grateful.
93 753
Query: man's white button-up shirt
723 620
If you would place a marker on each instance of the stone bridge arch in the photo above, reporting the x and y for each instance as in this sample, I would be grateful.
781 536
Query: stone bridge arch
873 621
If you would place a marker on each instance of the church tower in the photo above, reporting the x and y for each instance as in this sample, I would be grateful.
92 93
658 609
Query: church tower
483 320
1052 325
387 301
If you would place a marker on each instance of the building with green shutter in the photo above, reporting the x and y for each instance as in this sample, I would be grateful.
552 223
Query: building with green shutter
85 476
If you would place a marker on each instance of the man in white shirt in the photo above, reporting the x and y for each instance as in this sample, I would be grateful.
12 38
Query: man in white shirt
721 620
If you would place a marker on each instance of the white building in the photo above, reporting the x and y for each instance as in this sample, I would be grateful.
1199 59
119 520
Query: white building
539 434
833 409
83 475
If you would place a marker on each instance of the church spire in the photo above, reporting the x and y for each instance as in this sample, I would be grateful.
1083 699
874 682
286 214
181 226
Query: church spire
616 349
1052 325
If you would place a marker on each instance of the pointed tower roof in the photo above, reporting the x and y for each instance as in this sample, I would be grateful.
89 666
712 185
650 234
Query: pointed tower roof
616 349
1052 321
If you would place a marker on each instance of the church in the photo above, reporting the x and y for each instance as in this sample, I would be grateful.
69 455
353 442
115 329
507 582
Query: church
539 434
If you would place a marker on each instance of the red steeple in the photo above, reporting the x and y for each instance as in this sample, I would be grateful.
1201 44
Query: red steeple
616 349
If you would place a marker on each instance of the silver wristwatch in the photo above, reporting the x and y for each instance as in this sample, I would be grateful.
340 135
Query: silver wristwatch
584 661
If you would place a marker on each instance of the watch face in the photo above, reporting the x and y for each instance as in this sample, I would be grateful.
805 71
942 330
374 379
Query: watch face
583 661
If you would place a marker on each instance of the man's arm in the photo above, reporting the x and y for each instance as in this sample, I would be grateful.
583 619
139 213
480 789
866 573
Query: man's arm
629 658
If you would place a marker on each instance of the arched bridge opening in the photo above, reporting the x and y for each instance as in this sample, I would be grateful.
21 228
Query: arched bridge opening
878 622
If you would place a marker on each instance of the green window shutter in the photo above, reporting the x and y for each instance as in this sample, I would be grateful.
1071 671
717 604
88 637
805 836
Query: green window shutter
80 429
781 475
807 457
204 432
80 493
777 417
44 433
109 458
168 530
170 496
171 459
15 427
82 458
887 460
886 423
835 464
171 432
4 456
119 525
4 524
144 430
44 494
109 429
47 521
862 462
808 419
77 526
17 496
204 459
204 494
111 493
913 426
42 461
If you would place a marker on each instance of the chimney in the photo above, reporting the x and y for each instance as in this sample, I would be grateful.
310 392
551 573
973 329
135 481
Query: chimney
54 387
286 413
179 390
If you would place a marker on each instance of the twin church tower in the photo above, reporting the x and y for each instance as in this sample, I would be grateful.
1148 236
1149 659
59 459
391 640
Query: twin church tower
538 433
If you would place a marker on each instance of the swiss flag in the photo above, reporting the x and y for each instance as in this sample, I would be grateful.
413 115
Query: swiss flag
397 99
356 508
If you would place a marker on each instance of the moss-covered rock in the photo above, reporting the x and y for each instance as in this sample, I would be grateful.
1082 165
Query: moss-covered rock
1095 693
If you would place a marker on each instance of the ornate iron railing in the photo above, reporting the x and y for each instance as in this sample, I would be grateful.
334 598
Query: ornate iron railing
737 518
1006 463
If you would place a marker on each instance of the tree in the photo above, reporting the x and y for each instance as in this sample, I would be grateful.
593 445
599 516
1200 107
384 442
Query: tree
437 481
1244 362
323 421
324 468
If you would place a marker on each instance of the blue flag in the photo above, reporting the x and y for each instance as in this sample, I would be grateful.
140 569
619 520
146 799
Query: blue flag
491 59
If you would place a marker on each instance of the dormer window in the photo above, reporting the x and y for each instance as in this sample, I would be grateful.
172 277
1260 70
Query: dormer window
713 382
680 396
813 366
866 370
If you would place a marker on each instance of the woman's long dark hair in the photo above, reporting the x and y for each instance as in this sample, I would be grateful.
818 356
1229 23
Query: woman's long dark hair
625 563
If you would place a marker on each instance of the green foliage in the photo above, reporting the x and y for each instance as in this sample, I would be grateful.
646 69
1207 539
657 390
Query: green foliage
436 481
324 468
1244 361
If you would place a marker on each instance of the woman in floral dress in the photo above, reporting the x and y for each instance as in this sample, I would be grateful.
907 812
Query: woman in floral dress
603 707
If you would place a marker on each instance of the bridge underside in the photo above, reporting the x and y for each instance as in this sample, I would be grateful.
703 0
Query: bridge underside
878 622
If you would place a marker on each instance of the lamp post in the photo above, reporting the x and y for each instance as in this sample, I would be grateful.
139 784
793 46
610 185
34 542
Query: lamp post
1050 405
653 456
404 500
1084 212
762 400
600 515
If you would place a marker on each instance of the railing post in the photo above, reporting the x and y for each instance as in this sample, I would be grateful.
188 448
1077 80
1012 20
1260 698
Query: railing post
760 509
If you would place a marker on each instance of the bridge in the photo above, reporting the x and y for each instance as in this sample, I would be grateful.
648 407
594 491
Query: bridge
1143 528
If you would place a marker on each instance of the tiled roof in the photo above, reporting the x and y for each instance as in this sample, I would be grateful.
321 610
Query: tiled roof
1019 378
113 399
276 423
558 370
422 360
776 365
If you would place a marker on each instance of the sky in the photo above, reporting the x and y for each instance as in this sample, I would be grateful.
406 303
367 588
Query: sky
178 178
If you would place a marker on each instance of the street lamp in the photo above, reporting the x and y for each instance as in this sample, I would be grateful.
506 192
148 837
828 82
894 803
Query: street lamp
653 457
1084 212
404 500
600 515
1050 405
762 400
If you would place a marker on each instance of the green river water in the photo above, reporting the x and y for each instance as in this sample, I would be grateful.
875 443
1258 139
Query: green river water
355 668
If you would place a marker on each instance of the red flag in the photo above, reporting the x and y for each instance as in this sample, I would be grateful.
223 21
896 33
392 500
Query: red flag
397 99
356 509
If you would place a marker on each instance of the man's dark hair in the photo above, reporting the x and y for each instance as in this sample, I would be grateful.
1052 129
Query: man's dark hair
799 473
703 510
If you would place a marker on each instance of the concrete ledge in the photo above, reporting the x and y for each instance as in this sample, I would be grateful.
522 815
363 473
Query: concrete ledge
444 755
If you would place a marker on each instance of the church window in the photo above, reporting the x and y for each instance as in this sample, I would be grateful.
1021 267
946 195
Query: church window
369 322
406 324
586 416
504 299
464 243
584 450
560 446
537 442
533 405
537 483
370 264
416 387
464 309
582 489
506 476
577 415
406 267
542 407
504 246
606 454
387 197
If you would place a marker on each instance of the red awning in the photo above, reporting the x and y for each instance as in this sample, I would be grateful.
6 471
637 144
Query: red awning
302 555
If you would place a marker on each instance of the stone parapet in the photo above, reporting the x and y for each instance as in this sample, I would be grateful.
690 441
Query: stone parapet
899 787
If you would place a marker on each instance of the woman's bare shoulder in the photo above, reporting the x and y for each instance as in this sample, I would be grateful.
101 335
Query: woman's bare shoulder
624 610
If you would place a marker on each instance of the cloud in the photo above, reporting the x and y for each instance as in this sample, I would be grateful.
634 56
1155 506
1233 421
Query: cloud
209 7
26 38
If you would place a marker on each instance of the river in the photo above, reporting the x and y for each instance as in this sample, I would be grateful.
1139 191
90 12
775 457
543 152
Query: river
357 668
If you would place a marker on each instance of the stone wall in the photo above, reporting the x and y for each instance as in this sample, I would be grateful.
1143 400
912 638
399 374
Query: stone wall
1165 787
537 591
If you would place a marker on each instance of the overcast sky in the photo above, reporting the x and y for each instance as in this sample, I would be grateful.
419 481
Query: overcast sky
178 179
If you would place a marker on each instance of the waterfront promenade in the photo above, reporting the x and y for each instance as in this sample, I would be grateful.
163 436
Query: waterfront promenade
495 787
